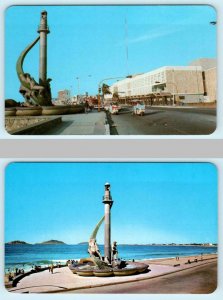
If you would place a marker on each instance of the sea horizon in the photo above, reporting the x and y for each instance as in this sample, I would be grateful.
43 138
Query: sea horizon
25 256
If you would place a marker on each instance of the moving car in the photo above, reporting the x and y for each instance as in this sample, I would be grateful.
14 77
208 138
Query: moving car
114 108
138 108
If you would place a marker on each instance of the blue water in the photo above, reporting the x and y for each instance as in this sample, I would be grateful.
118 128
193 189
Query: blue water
25 256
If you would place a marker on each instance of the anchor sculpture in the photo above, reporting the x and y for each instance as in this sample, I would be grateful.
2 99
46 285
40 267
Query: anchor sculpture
33 92
110 264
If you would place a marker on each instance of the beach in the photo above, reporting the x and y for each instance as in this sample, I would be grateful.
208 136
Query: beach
199 271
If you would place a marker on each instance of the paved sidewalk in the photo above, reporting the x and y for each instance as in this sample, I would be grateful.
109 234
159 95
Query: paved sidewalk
92 123
64 280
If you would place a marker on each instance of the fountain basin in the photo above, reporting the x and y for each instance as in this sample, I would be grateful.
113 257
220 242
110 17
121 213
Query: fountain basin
74 109
29 111
10 111
55 110
88 269
103 273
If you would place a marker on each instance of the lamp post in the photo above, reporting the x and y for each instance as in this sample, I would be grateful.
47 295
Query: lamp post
78 86
100 87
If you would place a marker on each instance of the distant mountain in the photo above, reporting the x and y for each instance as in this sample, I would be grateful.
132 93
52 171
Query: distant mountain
83 243
17 243
51 242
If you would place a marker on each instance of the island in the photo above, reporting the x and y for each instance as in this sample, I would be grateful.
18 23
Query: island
17 243
51 242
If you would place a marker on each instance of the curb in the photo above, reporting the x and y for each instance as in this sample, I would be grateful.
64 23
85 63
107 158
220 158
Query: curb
107 126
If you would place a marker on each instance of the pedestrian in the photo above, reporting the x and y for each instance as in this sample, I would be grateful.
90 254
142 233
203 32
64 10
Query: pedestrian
52 269
86 106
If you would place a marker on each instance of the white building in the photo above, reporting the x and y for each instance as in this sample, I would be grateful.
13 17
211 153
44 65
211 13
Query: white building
183 83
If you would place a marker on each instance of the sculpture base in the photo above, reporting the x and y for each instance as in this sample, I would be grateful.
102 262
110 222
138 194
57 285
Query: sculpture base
43 110
10 112
126 268
29 111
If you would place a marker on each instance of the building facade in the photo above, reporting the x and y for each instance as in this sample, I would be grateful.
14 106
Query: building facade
63 96
183 84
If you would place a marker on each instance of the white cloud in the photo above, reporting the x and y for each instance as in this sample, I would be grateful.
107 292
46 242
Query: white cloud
153 34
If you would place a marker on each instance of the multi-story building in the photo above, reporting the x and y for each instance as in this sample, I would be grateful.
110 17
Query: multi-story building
63 97
183 84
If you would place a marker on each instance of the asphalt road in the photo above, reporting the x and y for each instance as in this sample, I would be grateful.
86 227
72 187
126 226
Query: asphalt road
166 121
197 280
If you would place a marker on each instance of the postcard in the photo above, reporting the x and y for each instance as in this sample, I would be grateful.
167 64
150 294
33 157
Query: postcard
111 227
88 70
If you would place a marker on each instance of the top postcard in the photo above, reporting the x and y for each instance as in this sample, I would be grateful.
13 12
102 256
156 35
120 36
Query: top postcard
110 70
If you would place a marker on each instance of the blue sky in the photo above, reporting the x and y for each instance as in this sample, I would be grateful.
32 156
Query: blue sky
90 40
153 202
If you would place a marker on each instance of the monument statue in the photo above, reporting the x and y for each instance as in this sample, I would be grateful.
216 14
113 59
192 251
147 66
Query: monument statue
109 264
33 92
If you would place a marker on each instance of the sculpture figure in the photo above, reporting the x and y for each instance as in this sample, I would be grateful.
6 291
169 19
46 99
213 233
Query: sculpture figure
114 251
93 248
33 92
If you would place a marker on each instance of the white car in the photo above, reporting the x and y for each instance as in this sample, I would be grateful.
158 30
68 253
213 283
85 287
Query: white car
114 108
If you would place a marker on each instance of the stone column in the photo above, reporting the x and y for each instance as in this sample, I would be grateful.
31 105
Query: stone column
43 30
107 200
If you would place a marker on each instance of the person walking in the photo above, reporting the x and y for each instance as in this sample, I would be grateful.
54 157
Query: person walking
86 106
51 269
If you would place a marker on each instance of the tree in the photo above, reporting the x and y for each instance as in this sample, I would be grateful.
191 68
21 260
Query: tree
105 89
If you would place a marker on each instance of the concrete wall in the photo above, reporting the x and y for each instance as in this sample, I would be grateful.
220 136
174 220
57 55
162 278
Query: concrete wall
184 81
211 84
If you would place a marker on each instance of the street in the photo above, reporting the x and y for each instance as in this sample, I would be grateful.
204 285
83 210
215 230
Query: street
198 280
166 121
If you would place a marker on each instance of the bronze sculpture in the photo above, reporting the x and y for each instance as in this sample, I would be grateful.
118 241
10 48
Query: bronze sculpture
33 92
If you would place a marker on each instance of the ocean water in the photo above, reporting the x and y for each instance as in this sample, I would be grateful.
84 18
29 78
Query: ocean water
25 256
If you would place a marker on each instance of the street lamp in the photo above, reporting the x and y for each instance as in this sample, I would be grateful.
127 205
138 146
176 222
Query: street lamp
100 88
78 86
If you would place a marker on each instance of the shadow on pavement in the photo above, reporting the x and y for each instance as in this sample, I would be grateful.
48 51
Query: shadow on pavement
59 128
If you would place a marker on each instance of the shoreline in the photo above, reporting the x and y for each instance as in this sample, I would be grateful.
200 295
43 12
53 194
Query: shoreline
63 261
64 278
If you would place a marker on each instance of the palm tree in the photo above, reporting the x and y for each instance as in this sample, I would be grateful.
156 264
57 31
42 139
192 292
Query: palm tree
105 89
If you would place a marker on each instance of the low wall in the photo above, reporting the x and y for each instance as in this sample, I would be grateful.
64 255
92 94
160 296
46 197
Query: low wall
30 125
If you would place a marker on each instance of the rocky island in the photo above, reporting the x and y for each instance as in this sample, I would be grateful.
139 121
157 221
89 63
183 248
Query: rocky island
17 243
51 242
